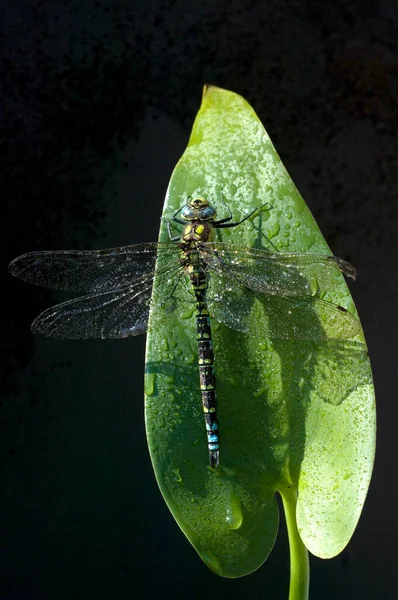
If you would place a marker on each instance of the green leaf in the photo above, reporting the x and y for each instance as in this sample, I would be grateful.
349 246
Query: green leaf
294 414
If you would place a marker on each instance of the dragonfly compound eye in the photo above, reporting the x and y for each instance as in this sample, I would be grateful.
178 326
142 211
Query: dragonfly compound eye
207 213
188 213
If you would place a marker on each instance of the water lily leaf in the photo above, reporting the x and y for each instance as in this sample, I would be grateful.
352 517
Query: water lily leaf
295 412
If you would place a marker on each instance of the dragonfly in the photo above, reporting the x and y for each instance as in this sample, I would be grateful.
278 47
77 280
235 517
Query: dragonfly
221 280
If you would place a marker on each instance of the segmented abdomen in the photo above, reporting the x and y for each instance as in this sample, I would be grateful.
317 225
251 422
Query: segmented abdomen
206 363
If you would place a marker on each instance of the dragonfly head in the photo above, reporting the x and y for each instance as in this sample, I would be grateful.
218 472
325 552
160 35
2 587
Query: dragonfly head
198 209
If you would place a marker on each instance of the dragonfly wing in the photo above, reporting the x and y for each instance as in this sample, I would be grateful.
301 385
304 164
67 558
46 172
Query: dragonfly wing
90 270
273 273
305 318
230 303
308 319
113 314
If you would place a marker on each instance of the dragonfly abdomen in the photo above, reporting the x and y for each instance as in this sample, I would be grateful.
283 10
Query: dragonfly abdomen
207 377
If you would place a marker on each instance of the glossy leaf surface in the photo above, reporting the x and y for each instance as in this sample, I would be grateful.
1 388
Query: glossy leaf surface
294 413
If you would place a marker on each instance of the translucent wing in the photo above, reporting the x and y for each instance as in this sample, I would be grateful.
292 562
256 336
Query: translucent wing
120 280
89 270
305 318
279 274
113 314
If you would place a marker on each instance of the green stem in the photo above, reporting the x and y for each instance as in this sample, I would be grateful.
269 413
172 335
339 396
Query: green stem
299 563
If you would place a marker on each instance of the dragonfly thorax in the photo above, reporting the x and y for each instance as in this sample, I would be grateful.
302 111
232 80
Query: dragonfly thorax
197 231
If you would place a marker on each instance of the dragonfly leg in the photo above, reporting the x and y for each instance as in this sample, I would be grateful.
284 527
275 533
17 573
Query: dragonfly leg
226 219
174 217
223 224
172 238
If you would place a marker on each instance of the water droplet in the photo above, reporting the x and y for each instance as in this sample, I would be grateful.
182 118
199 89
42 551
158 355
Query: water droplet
187 314
273 230
149 384
189 360
177 475
234 515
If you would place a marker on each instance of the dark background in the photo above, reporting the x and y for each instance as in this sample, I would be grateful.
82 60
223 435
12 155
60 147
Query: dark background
97 102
